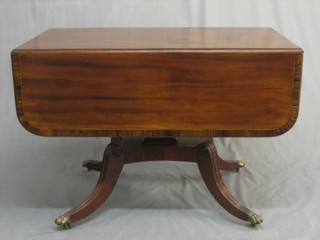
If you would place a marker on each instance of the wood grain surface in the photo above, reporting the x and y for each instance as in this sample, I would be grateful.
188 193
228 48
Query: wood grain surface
158 38
158 82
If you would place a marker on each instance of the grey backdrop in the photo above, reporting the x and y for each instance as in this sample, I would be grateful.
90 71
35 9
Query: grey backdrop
40 177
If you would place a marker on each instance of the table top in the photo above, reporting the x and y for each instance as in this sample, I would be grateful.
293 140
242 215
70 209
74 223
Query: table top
157 82
159 38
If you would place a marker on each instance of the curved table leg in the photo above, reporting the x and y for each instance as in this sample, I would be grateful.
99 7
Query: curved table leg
93 165
112 163
227 165
119 152
209 166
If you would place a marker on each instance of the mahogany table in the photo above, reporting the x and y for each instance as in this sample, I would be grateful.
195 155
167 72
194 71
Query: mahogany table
144 87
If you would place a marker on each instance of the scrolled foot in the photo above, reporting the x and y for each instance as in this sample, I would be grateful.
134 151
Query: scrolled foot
63 220
241 164
255 219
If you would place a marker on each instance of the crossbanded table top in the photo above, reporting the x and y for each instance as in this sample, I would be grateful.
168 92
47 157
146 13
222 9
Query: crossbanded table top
152 82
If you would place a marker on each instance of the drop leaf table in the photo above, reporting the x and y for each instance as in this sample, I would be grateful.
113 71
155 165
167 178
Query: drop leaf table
160 94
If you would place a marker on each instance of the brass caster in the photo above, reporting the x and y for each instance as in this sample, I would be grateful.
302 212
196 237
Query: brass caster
241 164
64 220
255 219
86 164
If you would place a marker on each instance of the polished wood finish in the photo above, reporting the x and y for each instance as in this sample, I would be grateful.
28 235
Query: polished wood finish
112 163
132 150
159 38
155 84
208 163
158 82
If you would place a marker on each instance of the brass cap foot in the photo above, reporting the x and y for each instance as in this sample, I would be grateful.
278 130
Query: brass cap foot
241 164
85 163
255 219
63 220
